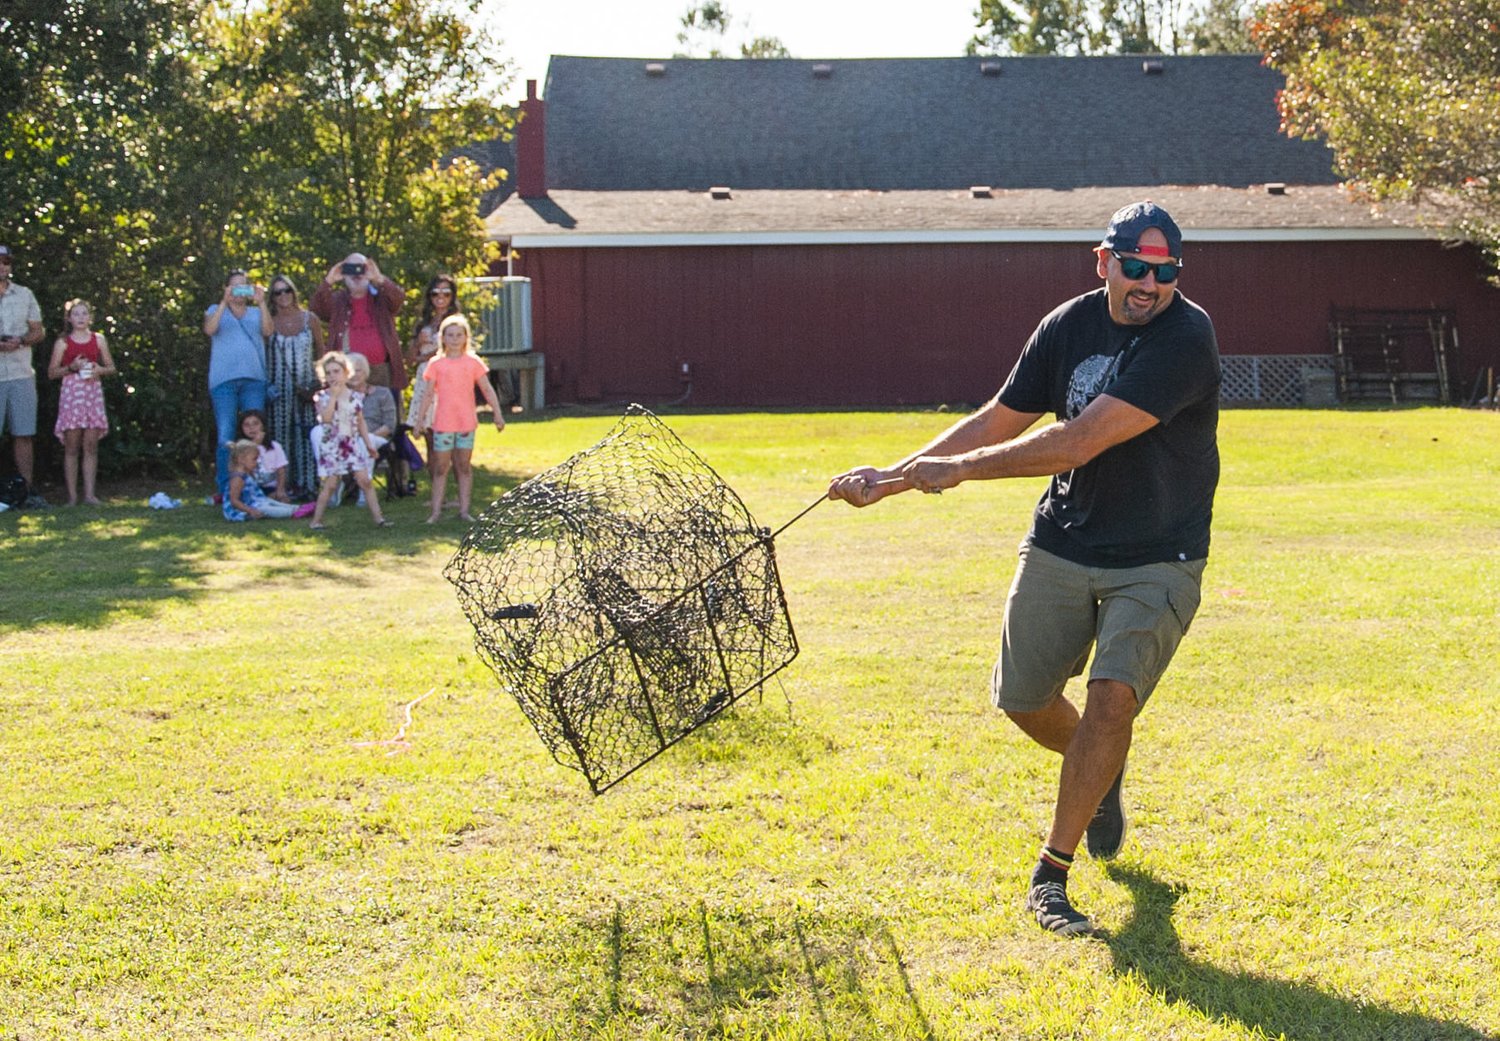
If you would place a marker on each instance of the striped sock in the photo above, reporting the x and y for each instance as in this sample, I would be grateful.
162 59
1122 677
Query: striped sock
1052 866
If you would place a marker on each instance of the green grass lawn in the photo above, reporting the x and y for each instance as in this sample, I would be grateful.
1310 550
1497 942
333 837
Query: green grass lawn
198 839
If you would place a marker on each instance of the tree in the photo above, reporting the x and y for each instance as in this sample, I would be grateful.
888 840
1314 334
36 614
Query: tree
764 47
707 25
149 145
1407 96
1084 27
1040 27
91 192
1220 27
353 108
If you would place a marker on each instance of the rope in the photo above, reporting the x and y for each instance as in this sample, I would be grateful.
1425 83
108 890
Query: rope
399 743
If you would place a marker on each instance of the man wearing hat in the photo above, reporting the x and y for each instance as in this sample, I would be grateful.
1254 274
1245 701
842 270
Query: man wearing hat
1115 555
20 329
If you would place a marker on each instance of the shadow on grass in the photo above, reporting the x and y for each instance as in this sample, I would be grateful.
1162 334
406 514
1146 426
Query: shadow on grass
84 567
701 972
1149 947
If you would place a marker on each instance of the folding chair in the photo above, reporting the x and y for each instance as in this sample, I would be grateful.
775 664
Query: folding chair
401 459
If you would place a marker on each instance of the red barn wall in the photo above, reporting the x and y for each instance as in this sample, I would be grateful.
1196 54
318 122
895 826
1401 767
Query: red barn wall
917 324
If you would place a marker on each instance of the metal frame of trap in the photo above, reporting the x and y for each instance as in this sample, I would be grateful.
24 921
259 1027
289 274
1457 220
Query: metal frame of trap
650 674
764 540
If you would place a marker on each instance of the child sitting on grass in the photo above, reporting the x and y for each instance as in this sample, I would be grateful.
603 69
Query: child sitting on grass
245 499
271 467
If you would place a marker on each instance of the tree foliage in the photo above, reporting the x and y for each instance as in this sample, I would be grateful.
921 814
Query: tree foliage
96 196
1407 95
150 145
1085 27
352 108
1221 27
706 25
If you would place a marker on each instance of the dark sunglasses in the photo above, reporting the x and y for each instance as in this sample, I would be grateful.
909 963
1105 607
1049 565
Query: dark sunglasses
1134 268
283 291
441 291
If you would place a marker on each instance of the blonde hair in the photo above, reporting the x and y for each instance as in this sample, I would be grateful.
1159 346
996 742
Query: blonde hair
330 358
457 319
68 312
243 447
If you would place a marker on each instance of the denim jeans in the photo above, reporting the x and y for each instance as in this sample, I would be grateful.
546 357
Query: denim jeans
230 398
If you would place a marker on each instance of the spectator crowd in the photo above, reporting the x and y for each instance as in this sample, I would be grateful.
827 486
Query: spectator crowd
307 396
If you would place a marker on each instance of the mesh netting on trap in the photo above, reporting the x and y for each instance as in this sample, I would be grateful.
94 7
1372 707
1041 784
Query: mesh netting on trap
624 598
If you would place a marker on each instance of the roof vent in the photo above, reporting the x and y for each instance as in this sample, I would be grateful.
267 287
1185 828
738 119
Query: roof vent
1153 67
1276 188
989 68
720 191
655 68
981 191
822 71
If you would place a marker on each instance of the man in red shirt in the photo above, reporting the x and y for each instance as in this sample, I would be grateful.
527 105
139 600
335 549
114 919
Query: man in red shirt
361 316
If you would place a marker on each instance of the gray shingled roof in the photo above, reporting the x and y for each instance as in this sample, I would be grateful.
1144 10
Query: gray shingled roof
1324 211
919 123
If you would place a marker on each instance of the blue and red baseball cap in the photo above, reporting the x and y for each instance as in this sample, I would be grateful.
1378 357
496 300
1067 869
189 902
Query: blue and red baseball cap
1126 226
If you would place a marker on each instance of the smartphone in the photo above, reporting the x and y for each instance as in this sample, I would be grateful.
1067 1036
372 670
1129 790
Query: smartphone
242 291
353 269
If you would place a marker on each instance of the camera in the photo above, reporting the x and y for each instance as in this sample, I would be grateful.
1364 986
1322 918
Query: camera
352 269
242 291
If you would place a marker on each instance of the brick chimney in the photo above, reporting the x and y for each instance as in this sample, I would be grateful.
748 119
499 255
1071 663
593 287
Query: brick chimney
531 146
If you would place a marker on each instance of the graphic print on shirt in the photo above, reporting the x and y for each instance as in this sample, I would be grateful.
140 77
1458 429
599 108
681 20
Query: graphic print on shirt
1091 376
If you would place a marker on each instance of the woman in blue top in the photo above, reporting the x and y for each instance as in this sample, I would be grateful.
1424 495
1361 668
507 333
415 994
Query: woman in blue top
237 326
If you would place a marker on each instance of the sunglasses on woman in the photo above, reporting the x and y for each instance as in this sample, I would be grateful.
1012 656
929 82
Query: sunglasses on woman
1134 268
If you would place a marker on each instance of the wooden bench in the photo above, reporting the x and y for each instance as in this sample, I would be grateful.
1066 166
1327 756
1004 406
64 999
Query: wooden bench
532 367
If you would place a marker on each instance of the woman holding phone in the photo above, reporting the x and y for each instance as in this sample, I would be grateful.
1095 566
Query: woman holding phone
237 327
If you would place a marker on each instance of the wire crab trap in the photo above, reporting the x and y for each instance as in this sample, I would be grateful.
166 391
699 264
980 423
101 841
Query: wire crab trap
624 598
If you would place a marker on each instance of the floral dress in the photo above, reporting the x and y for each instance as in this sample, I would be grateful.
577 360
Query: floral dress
80 402
289 368
342 450
421 391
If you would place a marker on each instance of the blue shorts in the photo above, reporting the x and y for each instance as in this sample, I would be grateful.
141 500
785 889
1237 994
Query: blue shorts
449 441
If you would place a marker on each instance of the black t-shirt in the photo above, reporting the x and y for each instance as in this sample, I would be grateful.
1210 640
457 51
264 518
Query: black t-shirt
1148 499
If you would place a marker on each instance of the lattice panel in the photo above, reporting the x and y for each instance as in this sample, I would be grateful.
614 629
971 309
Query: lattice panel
1270 379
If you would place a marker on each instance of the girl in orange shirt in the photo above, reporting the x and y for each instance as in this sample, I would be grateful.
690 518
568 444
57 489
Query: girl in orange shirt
452 415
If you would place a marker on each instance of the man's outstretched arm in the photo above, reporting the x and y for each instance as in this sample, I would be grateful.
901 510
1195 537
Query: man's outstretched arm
1053 449
992 425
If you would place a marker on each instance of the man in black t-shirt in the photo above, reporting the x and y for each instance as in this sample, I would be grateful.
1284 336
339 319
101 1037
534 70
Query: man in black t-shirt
1114 559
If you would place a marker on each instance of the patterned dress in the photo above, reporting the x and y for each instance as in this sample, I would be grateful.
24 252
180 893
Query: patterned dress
253 496
289 367
342 450
421 391
80 402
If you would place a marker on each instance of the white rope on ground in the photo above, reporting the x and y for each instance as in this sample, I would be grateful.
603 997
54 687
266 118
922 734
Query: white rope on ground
399 743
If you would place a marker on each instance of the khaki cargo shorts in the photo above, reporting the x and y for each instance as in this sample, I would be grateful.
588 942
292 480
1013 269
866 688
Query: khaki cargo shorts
1133 619
18 407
